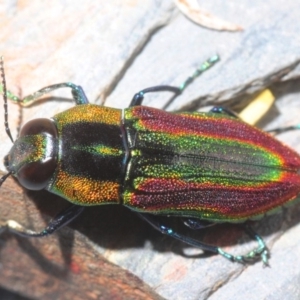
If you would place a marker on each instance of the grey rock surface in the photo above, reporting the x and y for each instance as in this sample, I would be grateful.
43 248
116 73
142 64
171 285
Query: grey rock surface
115 49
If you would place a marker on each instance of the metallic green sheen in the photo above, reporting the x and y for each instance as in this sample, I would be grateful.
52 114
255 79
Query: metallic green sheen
205 165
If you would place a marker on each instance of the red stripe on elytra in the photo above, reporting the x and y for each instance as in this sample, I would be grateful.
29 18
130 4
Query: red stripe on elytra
162 185
227 203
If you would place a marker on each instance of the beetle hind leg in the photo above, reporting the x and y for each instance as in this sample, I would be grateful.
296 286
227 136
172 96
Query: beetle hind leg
260 252
62 219
170 232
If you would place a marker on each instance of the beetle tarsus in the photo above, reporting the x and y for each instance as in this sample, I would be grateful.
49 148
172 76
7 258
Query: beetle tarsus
62 219
251 257
203 67
261 252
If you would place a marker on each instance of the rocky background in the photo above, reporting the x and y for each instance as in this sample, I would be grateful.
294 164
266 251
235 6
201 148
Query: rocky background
113 49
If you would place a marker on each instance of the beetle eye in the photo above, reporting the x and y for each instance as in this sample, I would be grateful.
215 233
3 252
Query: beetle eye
36 175
38 126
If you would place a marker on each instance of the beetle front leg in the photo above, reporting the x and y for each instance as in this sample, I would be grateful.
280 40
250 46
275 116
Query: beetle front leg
76 90
62 219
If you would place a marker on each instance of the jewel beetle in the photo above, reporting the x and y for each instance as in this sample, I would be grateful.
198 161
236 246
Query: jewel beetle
202 167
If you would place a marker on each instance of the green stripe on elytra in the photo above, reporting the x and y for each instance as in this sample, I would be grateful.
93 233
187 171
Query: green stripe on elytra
203 144
220 179
202 161
100 150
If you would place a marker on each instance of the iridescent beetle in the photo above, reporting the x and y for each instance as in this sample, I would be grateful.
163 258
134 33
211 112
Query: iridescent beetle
199 166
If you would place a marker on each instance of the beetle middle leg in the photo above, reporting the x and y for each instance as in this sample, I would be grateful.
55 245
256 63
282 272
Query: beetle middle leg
260 252
139 97
59 221
229 112
224 110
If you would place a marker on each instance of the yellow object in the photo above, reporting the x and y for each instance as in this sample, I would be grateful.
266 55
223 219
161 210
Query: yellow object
258 107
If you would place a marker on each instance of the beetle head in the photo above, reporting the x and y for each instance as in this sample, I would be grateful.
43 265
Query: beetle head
33 157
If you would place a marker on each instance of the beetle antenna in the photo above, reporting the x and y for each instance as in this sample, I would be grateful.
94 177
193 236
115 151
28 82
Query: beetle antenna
3 178
6 125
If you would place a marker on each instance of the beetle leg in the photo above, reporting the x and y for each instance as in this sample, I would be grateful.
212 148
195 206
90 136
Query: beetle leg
224 110
195 224
260 252
284 129
139 97
170 232
203 67
76 90
62 219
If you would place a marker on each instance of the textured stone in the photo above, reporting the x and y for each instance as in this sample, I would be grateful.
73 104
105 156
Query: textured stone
116 48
